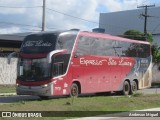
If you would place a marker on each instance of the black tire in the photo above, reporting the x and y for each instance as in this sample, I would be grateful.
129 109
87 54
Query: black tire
74 92
126 88
44 97
134 87
103 94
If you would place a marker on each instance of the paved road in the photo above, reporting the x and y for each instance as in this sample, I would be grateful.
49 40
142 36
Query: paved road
118 118
150 114
110 117
150 91
15 98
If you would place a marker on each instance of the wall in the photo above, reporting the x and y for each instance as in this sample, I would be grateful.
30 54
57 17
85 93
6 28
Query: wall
8 73
156 74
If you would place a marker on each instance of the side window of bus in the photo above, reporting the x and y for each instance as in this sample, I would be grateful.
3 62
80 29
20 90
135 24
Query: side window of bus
101 47
58 69
83 47
125 46
115 45
146 50
66 42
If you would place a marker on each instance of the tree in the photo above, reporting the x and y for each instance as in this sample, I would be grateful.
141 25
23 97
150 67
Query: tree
137 35
134 34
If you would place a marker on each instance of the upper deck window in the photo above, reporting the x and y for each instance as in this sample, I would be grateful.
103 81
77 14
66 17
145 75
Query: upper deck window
66 41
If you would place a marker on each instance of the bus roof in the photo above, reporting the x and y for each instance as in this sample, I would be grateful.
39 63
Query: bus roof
108 36
53 32
92 34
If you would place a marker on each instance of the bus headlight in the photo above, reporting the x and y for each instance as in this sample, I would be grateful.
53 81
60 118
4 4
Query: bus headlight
45 85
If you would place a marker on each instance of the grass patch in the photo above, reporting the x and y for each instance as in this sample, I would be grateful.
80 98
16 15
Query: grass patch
7 88
86 106
137 94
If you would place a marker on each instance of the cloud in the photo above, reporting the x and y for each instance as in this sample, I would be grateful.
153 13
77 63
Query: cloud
4 10
84 9
9 30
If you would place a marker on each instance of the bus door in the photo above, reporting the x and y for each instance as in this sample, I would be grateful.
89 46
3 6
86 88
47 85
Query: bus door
60 64
57 66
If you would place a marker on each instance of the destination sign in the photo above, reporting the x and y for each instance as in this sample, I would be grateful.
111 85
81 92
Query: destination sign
39 43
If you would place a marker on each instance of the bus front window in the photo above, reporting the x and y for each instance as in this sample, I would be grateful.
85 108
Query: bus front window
33 69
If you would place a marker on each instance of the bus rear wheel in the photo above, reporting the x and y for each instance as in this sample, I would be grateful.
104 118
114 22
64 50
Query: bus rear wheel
74 90
126 88
134 87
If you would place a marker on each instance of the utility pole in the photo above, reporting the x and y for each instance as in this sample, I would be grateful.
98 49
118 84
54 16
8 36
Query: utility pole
145 16
43 15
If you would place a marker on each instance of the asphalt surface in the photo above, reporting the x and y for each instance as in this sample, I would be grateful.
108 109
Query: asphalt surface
149 114
12 97
15 98
126 114
150 91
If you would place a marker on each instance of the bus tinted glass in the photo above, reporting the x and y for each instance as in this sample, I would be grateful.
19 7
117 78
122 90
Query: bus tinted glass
42 43
108 47
33 69
66 40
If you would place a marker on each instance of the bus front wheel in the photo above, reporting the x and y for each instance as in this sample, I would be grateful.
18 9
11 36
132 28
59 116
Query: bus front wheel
74 90
126 88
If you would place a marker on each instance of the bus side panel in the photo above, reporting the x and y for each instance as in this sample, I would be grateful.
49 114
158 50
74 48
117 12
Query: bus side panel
86 74
101 74
120 71
146 74
141 71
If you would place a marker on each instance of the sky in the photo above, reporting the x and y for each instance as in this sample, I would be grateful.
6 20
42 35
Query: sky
18 16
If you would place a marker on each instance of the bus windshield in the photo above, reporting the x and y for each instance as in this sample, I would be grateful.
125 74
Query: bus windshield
33 69
39 43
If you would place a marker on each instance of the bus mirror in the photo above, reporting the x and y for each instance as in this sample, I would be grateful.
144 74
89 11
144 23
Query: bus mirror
49 56
10 56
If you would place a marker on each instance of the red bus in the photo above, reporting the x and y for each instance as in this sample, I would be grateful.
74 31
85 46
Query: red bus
78 62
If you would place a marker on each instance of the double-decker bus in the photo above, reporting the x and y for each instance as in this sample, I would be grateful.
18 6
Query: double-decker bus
78 62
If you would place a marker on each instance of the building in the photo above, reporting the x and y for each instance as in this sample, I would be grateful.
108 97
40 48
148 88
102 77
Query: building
10 43
116 23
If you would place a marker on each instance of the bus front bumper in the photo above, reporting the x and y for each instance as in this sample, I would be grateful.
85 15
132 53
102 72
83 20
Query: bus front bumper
43 90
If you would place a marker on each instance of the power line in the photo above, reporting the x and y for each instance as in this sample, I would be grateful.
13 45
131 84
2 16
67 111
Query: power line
20 7
19 24
145 16
72 16
50 10
23 25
